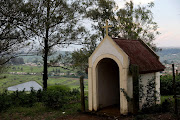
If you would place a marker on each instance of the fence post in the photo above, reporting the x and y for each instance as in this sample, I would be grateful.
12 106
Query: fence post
82 93
174 90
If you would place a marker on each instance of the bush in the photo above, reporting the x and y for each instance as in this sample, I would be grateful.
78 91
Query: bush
158 108
58 95
167 85
62 88
55 97
5 101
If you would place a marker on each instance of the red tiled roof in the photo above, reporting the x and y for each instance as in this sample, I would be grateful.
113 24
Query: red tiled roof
140 54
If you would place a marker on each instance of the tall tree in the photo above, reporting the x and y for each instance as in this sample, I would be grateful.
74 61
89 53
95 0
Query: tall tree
135 22
12 29
55 25
98 11
129 22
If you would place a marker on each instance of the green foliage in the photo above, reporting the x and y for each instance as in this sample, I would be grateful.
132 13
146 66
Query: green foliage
80 60
167 85
101 10
58 88
158 108
151 93
129 22
150 96
17 98
141 117
125 94
136 23
12 29
55 97
17 61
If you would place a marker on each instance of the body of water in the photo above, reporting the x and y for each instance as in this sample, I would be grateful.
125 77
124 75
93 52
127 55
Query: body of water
27 86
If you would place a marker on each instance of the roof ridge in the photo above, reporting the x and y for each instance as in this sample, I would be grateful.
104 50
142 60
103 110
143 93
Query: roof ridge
141 54
150 49
143 43
125 39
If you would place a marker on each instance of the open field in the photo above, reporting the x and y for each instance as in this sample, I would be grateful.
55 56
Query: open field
7 79
35 69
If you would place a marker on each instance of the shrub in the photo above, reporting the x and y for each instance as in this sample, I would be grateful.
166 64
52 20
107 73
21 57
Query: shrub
58 88
141 117
74 95
158 108
167 85
54 97
5 101
58 95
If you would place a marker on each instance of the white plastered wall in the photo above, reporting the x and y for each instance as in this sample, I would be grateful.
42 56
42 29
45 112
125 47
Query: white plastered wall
144 78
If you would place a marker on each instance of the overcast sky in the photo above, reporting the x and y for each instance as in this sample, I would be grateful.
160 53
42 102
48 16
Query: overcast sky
167 15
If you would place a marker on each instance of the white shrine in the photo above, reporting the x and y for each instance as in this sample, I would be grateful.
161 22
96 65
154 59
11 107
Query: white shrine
109 71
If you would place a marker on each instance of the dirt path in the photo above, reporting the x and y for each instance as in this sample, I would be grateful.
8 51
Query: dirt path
166 116
93 117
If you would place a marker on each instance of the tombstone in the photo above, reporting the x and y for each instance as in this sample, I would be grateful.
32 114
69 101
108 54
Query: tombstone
109 72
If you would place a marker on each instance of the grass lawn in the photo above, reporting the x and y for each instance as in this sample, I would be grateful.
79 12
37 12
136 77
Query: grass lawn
14 79
35 69
39 112
163 98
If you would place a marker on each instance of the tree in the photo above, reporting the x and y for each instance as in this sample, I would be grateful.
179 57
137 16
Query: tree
129 22
17 61
101 10
136 23
12 29
54 25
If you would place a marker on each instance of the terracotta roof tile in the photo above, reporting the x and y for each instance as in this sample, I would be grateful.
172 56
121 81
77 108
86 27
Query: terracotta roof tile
140 55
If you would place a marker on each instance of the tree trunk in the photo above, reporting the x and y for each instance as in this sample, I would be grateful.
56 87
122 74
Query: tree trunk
174 90
46 49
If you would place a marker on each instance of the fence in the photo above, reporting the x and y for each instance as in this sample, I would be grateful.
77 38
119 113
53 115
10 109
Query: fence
176 97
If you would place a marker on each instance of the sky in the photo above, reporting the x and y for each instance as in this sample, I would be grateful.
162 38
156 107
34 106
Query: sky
166 15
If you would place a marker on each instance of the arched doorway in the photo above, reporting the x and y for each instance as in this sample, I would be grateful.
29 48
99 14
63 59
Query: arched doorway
108 83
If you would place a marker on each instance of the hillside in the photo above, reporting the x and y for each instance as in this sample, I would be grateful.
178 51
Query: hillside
168 55
31 58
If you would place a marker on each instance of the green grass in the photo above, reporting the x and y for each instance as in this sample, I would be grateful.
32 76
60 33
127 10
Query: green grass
35 69
38 111
13 79
163 98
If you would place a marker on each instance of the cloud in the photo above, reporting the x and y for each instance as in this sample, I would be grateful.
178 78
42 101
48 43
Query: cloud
168 39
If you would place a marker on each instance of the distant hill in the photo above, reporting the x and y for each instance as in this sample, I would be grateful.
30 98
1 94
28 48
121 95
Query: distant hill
169 54
31 57
166 55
